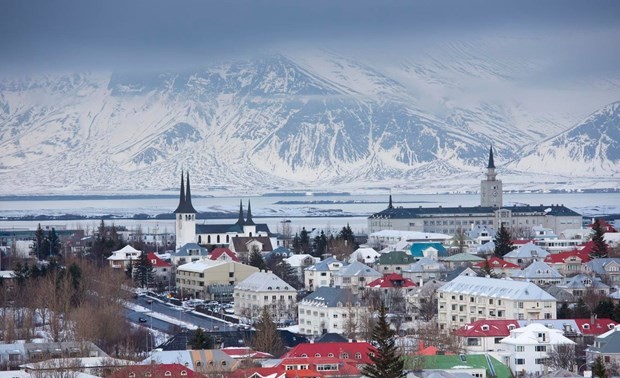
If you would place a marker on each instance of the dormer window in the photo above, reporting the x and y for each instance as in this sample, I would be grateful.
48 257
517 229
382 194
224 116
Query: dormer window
184 372
485 327
168 373
586 326
132 374
317 355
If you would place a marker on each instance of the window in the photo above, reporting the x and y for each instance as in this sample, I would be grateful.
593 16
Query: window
168 374
330 355
358 356
472 341
519 348
519 361
345 355
540 361
540 348
520 304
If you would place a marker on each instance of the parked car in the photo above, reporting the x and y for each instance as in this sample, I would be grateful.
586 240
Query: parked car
142 320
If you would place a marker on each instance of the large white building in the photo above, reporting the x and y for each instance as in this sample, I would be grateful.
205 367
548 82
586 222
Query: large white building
200 278
491 212
467 299
321 273
265 289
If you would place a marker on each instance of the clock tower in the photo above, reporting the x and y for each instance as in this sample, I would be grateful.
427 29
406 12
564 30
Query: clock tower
491 187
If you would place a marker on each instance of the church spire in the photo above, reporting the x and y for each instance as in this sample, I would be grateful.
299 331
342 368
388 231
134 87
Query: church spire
181 196
249 220
241 221
491 162
390 206
188 198
185 198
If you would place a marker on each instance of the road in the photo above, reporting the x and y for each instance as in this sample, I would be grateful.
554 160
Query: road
165 317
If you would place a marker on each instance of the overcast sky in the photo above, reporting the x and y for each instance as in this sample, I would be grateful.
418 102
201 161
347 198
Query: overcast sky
44 35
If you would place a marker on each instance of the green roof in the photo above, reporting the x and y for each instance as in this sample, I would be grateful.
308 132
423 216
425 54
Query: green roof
395 258
447 362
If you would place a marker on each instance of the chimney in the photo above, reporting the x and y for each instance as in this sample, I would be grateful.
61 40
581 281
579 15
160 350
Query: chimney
592 318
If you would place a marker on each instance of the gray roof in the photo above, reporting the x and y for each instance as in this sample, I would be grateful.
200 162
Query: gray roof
609 342
598 265
496 288
323 266
356 269
184 250
578 282
263 281
418 266
421 212
560 294
326 296
537 270
527 251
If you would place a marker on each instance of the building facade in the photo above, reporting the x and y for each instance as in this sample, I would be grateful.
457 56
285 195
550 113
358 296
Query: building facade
195 278
265 290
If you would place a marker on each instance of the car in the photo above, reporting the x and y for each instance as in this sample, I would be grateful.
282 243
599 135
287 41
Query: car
142 320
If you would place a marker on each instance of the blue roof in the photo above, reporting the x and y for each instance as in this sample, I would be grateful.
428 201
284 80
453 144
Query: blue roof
421 212
417 249
184 250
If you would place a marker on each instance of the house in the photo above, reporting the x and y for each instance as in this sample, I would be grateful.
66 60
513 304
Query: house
528 347
265 289
485 335
466 299
461 366
607 269
331 309
569 263
424 269
499 266
303 367
365 255
539 273
461 259
171 370
391 282
124 257
355 276
201 278
606 346
223 254
301 262
278 253
203 361
394 262
481 234
357 351
189 252
321 273
429 250
386 236
162 270
583 285
243 246
525 254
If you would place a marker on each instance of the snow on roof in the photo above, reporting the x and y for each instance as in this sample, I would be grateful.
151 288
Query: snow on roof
263 281
200 265
413 235
528 250
537 269
297 260
528 335
496 288
357 268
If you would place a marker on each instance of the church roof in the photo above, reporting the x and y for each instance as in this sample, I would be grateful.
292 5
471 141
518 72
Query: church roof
420 212
185 199
228 228
491 162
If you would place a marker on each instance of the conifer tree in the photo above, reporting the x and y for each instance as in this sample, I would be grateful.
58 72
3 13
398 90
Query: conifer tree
503 242
143 271
38 243
267 337
296 244
52 243
600 248
599 370
487 270
581 310
256 260
386 360
304 241
201 340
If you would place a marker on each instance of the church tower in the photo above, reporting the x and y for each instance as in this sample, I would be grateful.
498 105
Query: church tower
249 227
185 216
491 187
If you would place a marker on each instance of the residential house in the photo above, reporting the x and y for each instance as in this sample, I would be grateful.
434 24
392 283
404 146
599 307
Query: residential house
431 250
528 347
162 270
453 366
223 254
424 269
302 367
202 278
265 289
569 263
466 299
243 246
394 262
203 361
278 253
583 285
321 273
124 257
418 301
461 259
331 309
606 346
394 289
301 262
355 276
498 266
485 335
608 269
525 254
365 255
189 252
357 351
171 370
539 273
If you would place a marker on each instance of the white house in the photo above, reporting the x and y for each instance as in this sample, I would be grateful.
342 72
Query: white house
527 348
265 289
525 254
123 257
322 273
301 262
366 255
355 276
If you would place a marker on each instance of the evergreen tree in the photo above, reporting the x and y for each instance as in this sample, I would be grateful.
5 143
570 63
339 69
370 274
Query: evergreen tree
267 337
304 241
600 248
278 266
386 360
604 309
487 270
256 260
296 244
616 314
599 370
201 340
564 312
503 242
319 245
38 243
143 271
52 243
581 310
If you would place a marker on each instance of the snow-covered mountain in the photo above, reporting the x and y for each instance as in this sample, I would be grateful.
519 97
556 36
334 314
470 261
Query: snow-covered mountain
590 148
275 122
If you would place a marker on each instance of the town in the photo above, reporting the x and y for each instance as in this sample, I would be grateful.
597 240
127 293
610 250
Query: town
483 291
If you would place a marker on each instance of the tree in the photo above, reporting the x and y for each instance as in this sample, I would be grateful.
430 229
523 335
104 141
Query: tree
143 271
267 337
487 270
599 370
581 310
460 240
564 312
561 356
256 260
604 309
503 242
38 243
296 244
201 340
319 245
600 248
304 241
386 359
52 243
278 266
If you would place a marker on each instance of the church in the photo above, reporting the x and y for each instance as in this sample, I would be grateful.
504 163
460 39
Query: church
187 231
491 212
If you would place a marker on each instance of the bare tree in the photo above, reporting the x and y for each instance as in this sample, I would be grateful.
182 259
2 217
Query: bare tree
351 324
431 335
561 356
56 368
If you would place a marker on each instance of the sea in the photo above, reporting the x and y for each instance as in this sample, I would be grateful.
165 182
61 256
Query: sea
327 211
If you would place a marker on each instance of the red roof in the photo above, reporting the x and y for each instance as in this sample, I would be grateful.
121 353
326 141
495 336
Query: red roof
218 252
487 328
521 241
156 262
588 247
357 351
496 262
562 257
595 326
346 367
391 280
156 371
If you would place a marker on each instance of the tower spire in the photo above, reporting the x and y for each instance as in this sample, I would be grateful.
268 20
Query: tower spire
241 221
390 206
181 196
249 220
188 198
491 162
